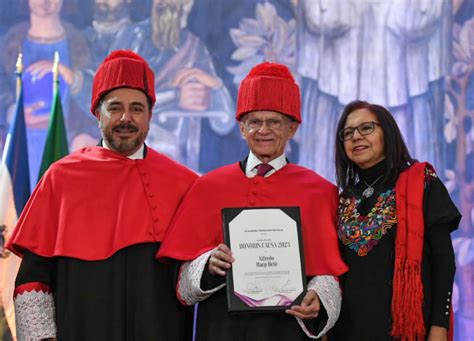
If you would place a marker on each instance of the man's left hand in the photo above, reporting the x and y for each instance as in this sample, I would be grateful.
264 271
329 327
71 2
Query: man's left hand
309 307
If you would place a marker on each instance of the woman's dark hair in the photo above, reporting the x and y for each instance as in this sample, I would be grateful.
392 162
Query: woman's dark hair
396 152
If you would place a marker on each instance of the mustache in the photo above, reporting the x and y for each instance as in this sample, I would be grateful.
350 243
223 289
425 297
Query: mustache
126 126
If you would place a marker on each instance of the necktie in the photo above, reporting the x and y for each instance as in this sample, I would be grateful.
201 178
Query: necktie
263 169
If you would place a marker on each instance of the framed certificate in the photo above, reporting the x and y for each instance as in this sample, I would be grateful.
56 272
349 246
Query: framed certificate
268 273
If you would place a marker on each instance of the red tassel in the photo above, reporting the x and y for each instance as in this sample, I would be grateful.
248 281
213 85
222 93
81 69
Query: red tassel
407 301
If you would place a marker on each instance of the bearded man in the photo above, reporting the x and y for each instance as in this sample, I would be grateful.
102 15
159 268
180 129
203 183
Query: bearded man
89 232
193 104
110 18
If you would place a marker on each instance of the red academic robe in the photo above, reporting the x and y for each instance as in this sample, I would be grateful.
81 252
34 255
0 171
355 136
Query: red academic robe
95 202
197 227
88 237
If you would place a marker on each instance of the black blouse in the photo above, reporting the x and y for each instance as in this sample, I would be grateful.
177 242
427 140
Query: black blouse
367 286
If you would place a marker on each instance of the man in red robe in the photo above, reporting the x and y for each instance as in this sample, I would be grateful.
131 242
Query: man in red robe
269 115
90 231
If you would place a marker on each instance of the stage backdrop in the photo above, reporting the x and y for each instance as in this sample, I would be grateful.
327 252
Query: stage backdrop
415 57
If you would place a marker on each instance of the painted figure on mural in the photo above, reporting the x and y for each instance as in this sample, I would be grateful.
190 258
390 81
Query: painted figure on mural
238 35
38 39
325 34
393 53
189 92
110 19
226 16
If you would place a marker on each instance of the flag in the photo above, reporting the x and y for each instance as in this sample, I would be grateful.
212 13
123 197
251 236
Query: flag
14 193
56 145
14 169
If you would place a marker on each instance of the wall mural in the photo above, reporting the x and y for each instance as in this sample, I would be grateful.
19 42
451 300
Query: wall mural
415 57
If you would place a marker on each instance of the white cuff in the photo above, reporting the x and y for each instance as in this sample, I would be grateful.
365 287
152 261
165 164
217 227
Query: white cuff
329 293
189 283
35 316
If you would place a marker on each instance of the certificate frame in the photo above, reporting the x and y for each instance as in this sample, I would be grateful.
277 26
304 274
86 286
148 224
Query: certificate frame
237 303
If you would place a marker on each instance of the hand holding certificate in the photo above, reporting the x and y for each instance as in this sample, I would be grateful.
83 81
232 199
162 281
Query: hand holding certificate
309 308
268 271
220 260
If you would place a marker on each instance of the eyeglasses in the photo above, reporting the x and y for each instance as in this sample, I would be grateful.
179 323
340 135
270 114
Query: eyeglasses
271 123
365 128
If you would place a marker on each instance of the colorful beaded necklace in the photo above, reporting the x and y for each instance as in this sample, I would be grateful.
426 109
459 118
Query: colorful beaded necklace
362 232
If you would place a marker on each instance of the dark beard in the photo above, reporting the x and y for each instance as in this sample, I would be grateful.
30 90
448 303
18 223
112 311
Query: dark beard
165 22
123 146
103 12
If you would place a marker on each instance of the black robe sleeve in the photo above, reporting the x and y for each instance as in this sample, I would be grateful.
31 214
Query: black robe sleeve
441 218
36 268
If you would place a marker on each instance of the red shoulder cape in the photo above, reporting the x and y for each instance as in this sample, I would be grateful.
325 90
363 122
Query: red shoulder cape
95 202
197 226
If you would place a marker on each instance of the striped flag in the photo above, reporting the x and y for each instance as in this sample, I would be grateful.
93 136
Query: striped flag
56 145
14 193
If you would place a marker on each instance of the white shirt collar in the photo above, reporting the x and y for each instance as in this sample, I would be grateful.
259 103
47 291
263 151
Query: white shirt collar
253 161
135 156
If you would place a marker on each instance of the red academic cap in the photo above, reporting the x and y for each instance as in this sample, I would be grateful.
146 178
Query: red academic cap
122 69
269 86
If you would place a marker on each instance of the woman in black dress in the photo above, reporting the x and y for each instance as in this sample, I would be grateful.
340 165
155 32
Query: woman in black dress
394 223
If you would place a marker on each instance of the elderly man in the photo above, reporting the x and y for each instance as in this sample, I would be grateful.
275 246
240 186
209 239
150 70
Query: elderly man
90 231
269 114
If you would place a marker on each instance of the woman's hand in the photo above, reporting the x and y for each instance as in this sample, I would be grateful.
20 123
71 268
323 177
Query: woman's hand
438 334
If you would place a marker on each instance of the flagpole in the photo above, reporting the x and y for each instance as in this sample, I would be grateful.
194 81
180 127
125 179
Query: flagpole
56 72
56 145
19 71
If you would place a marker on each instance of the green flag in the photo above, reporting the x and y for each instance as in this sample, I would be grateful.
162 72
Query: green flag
56 142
